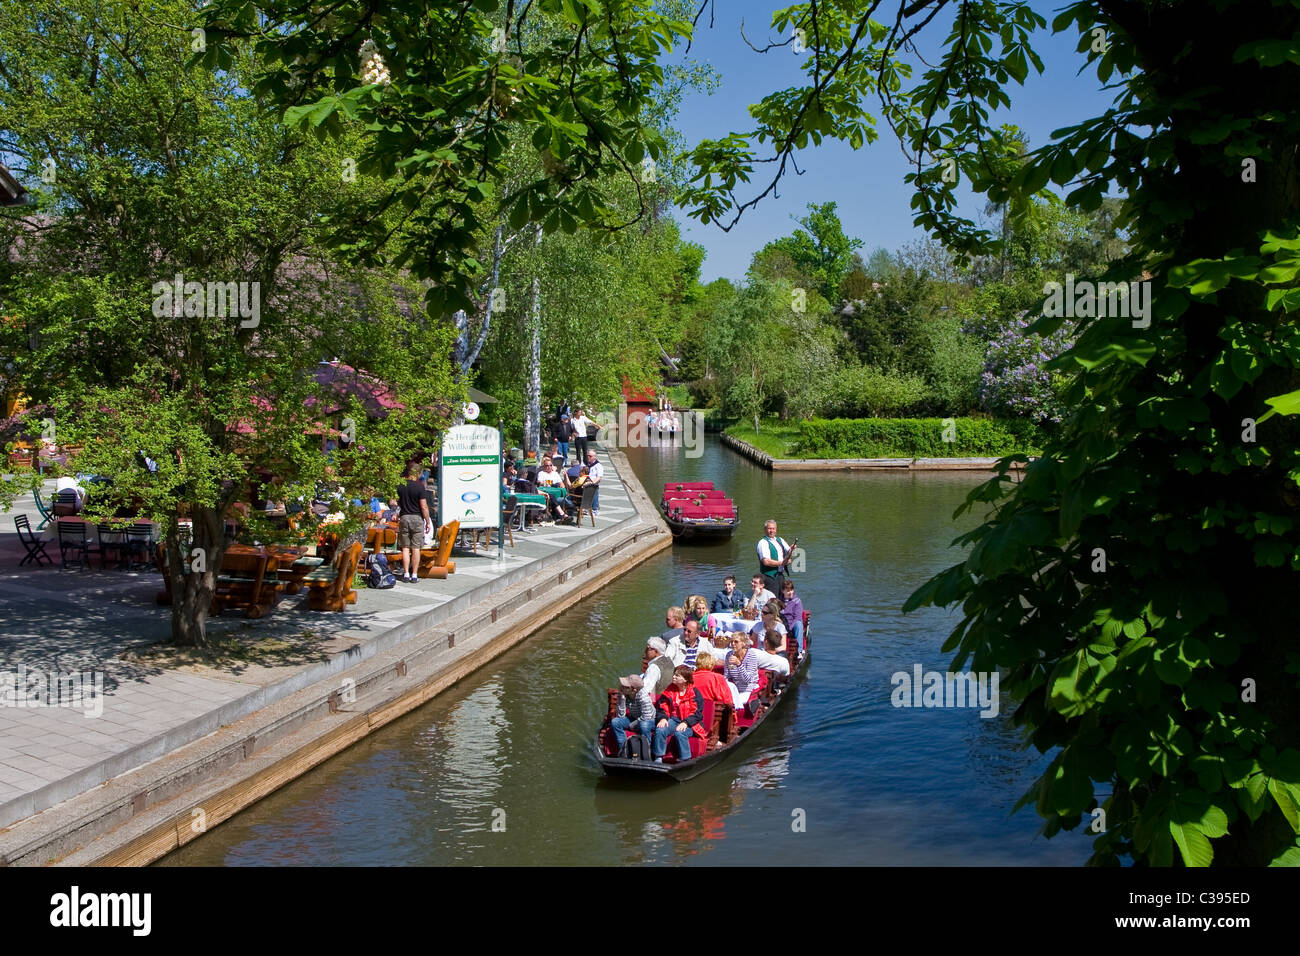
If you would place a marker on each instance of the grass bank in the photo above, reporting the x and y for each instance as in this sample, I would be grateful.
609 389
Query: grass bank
890 437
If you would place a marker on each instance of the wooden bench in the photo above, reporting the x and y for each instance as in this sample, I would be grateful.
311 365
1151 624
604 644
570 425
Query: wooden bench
435 562
330 589
247 581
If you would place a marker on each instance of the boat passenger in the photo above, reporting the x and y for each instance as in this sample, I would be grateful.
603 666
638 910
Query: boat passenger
674 617
728 599
696 606
792 611
771 659
678 709
642 709
770 620
659 668
742 667
758 594
711 685
684 649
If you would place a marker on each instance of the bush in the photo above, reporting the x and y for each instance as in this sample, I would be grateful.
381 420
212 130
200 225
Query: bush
1016 381
954 376
914 438
858 391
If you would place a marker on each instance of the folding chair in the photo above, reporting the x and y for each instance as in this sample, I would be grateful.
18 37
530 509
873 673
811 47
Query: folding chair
588 496
34 545
46 514
72 538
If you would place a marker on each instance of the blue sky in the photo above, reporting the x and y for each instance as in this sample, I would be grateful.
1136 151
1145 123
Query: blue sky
867 183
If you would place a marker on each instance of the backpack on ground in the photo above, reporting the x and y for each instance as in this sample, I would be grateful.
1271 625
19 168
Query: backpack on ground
380 577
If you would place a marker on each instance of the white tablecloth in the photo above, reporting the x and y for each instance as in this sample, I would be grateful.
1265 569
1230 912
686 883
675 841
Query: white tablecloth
725 621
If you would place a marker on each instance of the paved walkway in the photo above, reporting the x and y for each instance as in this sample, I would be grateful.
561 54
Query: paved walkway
128 699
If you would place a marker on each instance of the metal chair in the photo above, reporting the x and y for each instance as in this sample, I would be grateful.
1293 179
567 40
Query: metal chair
508 512
34 545
140 547
72 538
46 514
66 504
111 539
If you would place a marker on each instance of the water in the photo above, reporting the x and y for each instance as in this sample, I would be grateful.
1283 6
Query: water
499 770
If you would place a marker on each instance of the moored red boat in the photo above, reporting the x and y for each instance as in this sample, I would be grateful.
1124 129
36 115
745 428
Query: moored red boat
697 509
728 727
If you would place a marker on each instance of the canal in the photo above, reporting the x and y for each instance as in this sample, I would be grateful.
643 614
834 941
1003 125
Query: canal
499 769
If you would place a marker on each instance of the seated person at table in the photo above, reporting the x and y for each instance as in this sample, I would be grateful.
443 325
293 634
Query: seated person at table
67 483
678 709
696 606
792 611
742 668
635 707
770 620
684 648
728 599
392 512
711 685
576 481
771 659
573 471
548 477
376 506
758 594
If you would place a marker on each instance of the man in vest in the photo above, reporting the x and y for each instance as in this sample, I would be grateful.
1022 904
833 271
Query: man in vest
772 552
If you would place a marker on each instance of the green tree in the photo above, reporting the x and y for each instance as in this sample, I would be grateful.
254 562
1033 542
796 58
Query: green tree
1129 584
163 170
820 252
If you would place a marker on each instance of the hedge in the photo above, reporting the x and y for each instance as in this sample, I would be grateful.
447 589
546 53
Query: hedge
914 438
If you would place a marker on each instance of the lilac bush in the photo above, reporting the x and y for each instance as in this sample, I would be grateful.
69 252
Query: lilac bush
1015 381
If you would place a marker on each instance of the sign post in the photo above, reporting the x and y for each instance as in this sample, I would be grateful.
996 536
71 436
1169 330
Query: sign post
469 477
501 531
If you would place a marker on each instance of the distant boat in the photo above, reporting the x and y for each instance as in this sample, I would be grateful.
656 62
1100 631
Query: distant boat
695 509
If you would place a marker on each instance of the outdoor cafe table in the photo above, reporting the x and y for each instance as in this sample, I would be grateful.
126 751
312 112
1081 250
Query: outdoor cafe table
294 565
730 622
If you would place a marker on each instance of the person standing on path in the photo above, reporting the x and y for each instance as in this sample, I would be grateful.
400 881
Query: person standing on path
581 425
413 522
562 436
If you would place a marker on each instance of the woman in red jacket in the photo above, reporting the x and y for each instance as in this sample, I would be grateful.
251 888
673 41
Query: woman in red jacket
712 686
679 710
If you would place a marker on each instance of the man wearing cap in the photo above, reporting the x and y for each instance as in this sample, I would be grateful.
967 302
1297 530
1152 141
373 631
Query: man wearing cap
659 668
643 710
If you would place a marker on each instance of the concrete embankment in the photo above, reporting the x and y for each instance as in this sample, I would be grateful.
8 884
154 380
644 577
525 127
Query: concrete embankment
855 464
137 816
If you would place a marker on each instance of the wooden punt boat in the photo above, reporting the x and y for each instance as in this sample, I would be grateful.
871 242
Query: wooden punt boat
728 731
695 509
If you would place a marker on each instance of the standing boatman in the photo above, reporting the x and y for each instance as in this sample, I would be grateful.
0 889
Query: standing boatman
773 554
